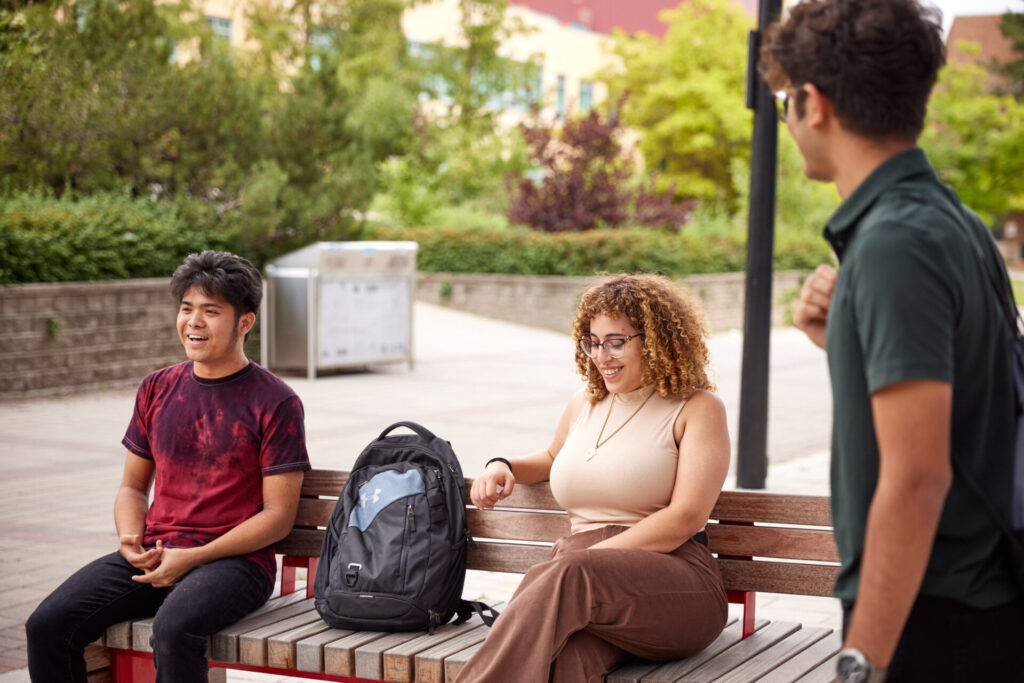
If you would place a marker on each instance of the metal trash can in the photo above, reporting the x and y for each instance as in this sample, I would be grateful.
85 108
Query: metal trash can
339 305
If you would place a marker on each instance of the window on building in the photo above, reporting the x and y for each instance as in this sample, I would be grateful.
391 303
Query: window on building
560 98
221 27
320 42
586 96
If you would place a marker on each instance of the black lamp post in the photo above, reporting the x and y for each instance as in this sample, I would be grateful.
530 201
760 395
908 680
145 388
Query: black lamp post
752 444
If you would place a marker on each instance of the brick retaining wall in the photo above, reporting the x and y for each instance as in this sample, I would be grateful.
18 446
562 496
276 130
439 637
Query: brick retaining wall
84 335
79 336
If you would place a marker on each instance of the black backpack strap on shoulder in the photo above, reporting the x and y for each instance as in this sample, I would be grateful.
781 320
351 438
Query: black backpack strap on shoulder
419 429
467 608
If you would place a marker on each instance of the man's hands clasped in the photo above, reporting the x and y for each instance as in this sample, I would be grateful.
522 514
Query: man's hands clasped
130 547
162 567
495 483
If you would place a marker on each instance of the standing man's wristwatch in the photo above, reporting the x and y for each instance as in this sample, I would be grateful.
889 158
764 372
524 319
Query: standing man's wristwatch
853 667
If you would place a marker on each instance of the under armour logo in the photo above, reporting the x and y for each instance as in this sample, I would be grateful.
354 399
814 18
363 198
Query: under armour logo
376 497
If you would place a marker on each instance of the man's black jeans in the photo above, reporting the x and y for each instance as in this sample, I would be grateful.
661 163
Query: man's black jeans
102 593
946 641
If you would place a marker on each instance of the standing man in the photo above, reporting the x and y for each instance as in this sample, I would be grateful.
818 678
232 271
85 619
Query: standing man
224 442
918 350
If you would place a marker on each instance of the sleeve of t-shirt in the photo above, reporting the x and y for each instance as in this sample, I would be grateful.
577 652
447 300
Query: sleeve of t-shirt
905 308
283 448
136 438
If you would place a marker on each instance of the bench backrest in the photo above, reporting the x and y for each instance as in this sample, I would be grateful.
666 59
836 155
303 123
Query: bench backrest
765 542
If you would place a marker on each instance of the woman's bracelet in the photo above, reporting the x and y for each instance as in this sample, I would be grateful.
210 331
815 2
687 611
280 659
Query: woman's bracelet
507 463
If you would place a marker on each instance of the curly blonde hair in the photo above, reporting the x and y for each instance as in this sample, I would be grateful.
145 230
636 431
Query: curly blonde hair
675 331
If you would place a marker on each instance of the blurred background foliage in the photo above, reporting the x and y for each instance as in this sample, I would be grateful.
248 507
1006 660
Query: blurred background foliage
133 134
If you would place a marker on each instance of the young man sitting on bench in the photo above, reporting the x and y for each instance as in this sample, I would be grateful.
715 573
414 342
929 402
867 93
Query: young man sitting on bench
224 442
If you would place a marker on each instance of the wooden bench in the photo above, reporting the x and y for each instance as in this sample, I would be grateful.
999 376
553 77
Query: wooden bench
765 543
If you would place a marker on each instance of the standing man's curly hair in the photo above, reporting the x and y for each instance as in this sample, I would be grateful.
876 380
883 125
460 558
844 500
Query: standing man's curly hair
675 331
875 60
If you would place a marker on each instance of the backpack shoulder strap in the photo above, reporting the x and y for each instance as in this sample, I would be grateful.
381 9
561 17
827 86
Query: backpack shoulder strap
467 608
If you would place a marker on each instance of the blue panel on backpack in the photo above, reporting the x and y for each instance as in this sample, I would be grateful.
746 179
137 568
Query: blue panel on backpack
383 489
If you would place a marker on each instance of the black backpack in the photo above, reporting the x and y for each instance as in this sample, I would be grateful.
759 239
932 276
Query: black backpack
394 553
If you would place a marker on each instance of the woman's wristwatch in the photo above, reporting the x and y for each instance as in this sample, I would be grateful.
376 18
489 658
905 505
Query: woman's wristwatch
853 667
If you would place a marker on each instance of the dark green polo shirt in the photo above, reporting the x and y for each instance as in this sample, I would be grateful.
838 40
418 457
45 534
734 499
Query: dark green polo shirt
912 303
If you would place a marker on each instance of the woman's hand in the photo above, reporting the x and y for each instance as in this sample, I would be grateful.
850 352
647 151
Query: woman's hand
496 482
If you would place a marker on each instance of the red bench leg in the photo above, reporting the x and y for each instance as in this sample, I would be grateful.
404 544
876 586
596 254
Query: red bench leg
289 564
127 666
745 598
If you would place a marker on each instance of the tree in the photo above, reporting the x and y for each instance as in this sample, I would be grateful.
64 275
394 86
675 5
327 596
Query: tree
974 138
686 99
93 100
1012 26
339 97
459 153
586 180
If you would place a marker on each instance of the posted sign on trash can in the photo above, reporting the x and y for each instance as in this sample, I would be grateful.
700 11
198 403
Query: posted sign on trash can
339 305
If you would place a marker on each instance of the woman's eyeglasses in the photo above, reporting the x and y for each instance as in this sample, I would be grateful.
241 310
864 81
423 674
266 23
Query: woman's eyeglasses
613 346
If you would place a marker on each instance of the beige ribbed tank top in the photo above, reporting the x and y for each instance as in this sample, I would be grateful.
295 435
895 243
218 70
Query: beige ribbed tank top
633 473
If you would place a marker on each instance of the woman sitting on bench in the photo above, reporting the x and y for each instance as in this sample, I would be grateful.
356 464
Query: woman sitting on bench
638 460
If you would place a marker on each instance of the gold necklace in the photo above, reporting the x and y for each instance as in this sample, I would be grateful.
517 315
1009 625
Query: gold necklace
597 444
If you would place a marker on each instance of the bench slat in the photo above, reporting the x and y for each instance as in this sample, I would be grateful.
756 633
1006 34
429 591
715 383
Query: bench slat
119 636
430 662
282 650
755 668
806 661
669 672
776 508
224 644
309 652
766 541
252 645
732 657
301 543
521 526
399 661
505 557
323 482
340 656
142 630
330 482
823 673
454 663
656 672
532 497
314 512
778 577
370 656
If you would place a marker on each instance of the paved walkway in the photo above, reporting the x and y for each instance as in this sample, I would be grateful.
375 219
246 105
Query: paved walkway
490 387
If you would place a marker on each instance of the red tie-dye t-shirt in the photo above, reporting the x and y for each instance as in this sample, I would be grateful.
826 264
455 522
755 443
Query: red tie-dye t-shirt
212 442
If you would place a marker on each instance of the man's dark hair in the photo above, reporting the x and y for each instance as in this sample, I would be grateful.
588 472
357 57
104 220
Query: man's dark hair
223 274
875 60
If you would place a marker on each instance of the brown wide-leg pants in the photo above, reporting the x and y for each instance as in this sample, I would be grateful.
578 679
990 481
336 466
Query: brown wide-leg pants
575 616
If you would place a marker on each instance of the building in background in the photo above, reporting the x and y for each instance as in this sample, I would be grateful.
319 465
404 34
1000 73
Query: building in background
565 38
605 16
992 47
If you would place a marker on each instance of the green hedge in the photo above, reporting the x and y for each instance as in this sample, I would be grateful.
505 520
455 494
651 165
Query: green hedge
522 251
111 236
102 237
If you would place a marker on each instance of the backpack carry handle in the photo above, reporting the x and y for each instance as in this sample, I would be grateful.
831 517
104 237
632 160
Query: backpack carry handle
419 429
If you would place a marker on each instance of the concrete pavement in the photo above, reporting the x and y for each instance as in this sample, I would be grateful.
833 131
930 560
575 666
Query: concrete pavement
492 388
